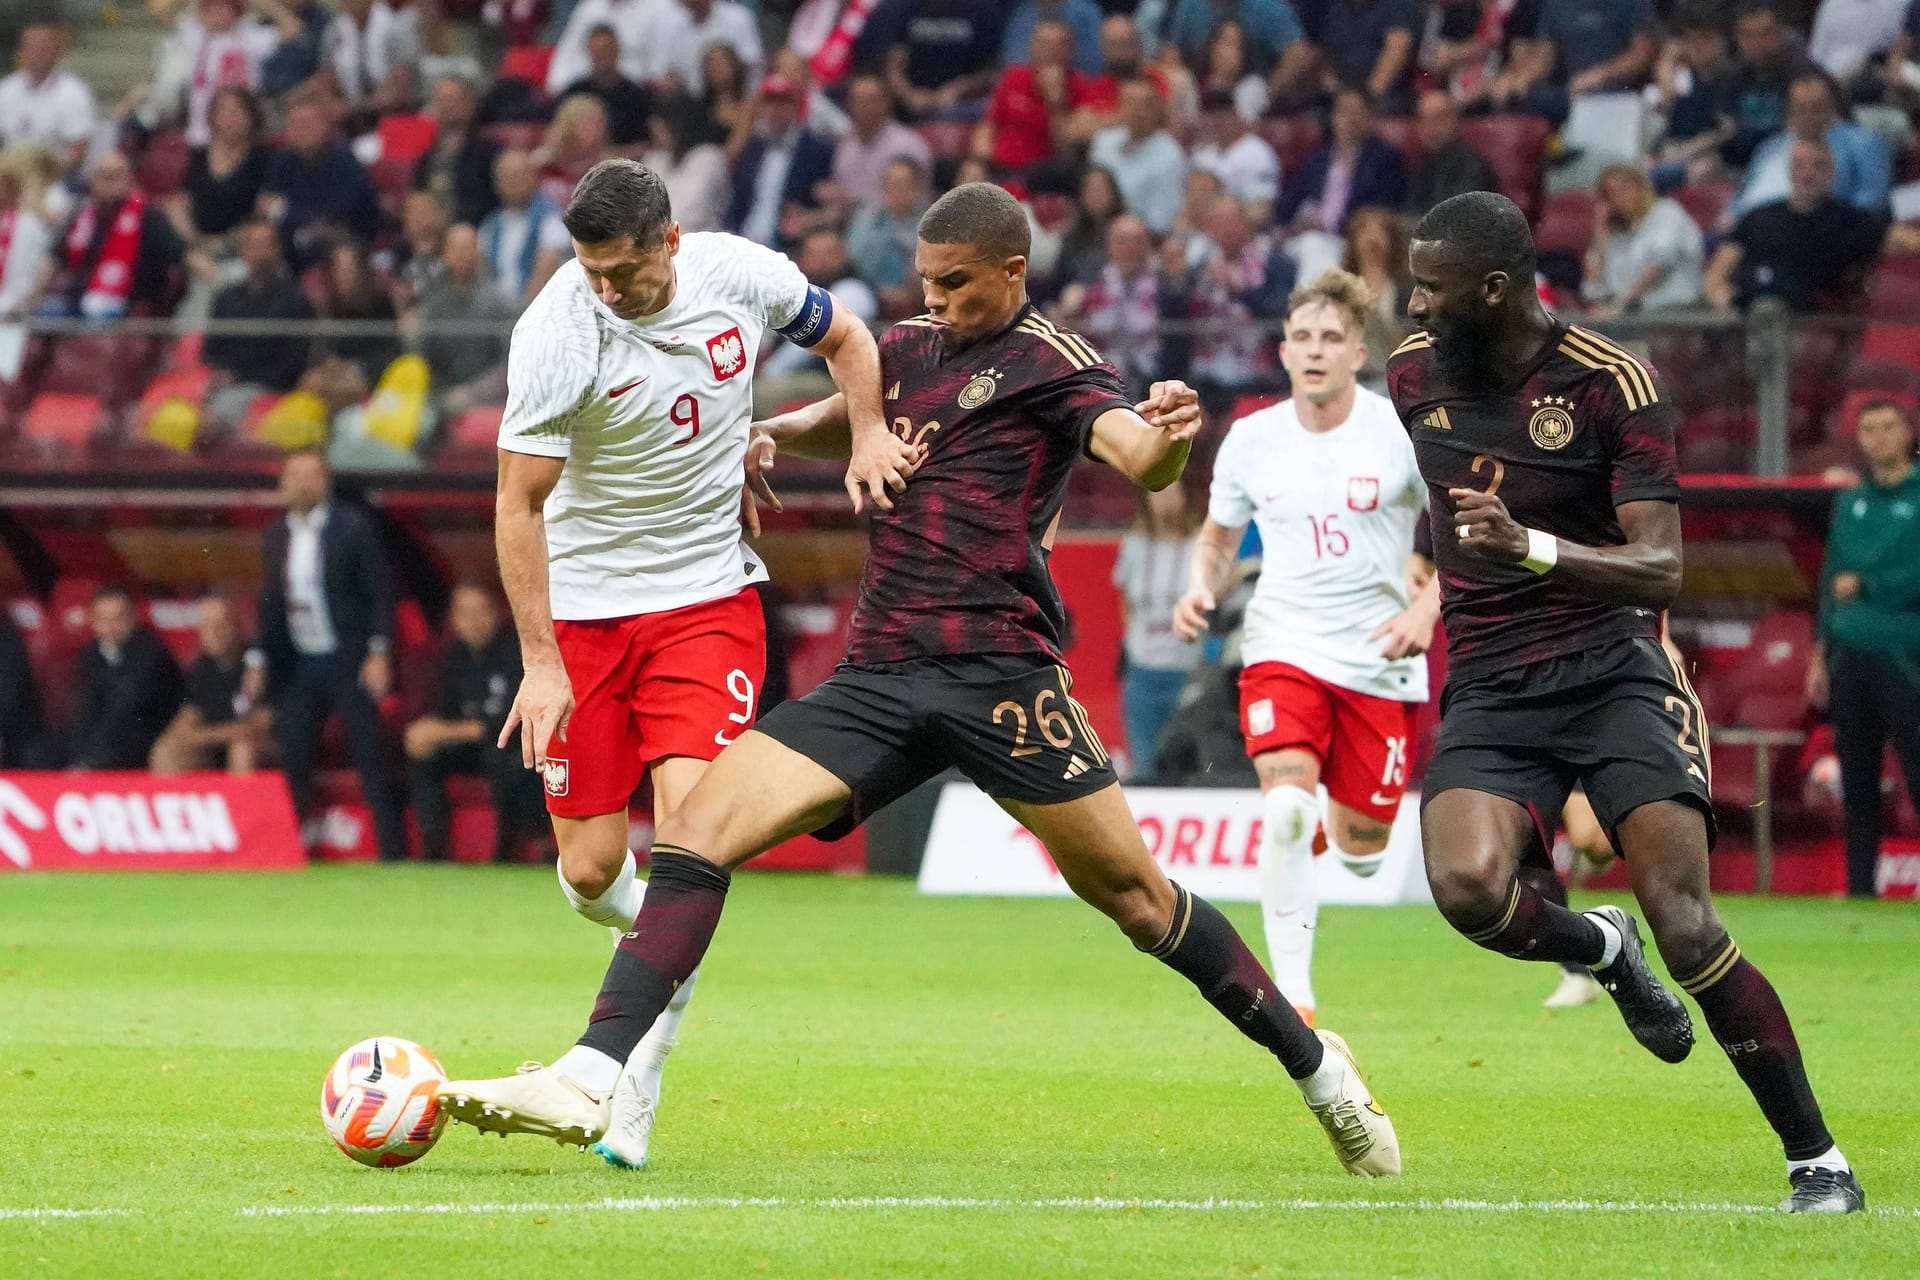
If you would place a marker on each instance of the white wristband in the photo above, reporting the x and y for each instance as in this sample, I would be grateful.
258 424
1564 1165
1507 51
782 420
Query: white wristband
1543 551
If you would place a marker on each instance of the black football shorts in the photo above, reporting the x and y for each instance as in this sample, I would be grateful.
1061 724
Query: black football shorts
1619 719
1007 721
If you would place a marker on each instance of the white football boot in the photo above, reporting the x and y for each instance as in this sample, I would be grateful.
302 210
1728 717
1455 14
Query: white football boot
1358 1127
535 1099
1577 987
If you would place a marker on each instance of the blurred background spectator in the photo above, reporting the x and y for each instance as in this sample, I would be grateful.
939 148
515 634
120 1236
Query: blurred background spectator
45 104
458 168
1448 165
245 367
468 368
217 726
628 102
1151 573
523 239
24 741
783 172
315 191
1147 165
1376 251
129 687
1807 250
1647 253
875 141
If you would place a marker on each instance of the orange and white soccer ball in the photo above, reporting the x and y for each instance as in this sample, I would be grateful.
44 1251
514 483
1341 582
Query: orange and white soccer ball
379 1102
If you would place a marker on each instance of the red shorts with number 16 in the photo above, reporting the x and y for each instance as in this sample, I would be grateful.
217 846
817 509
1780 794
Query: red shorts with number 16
1362 740
681 683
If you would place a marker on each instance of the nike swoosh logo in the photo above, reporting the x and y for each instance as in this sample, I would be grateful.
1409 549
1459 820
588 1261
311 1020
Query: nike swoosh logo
617 392
1377 798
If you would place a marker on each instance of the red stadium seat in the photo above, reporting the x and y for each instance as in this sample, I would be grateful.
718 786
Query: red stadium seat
1705 201
1566 223
163 165
1292 137
1777 658
1717 440
1893 295
1250 404
528 63
1513 145
406 138
1895 344
63 420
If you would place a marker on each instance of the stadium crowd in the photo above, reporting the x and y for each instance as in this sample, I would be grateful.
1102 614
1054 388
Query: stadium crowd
401 167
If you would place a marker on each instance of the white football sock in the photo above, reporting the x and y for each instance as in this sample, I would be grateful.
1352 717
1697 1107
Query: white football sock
1828 1159
1289 898
1610 937
592 1070
648 1061
1323 1086
618 906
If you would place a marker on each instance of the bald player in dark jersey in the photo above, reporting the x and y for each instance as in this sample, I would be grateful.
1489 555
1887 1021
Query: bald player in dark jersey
954 659
1548 453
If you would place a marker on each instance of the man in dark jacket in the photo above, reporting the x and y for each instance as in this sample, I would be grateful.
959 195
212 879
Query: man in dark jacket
459 166
245 366
782 167
1448 165
130 686
326 636
315 190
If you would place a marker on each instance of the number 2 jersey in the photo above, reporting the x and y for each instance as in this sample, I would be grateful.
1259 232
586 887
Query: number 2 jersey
958 566
1336 512
651 415
1584 428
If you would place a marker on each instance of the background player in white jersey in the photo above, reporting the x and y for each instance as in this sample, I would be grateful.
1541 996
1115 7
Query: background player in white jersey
630 385
1333 638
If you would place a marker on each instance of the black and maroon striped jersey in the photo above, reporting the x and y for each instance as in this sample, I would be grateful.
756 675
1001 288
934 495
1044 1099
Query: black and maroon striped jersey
1586 428
957 567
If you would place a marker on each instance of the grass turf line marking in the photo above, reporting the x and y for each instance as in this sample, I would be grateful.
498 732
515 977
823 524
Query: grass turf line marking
9 1214
656 1204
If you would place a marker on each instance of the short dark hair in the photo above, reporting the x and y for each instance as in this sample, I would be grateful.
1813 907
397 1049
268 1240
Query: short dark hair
1700 16
1886 404
112 591
1769 7
1485 228
982 214
617 199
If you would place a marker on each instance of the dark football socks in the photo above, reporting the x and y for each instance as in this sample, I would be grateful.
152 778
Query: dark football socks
1746 1017
1202 947
1529 927
1546 882
685 895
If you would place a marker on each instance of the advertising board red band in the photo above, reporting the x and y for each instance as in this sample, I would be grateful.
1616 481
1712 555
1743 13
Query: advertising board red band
136 822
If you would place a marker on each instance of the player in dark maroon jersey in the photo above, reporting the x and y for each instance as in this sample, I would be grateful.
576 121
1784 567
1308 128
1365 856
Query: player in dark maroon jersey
954 660
1548 453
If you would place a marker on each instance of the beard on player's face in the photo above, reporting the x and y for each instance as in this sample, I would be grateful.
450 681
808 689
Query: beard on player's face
1464 342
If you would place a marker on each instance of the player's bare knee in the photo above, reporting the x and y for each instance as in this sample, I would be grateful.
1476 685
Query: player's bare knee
1685 927
1140 912
1469 883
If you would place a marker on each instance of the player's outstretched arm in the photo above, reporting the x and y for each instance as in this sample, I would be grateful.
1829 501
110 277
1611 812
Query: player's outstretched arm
1149 443
1645 571
1410 632
879 463
1207 574
544 702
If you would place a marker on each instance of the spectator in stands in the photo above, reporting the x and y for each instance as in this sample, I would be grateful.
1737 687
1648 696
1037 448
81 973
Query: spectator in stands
45 103
519 22
373 51
1119 310
628 103
119 254
247 366
1354 166
129 687
1370 45
218 726
1692 79
635 23
1485 54
226 175
1647 253
1804 250
785 167
938 55
326 635
1448 164
691 165
416 266
25 245
1598 46
479 673
1754 97
885 233
1850 36
730 100
523 240
315 191
793 373
458 168
468 368
1376 251
298 57
349 365
1238 279
1083 246
877 139
23 725
1224 68
1276 46
1151 574
1031 101
1082 19
688 28
575 141
1816 110
1866 665
1148 166
818 108
225 49
1244 161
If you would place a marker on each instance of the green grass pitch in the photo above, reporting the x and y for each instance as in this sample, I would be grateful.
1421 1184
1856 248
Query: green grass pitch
872 1083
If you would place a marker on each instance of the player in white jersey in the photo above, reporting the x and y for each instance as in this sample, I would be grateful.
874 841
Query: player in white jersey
618 523
1334 635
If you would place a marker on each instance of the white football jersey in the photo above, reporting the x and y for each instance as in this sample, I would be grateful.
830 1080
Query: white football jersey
1336 512
652 417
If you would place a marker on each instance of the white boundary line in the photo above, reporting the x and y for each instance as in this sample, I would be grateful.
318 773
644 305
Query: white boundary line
8 1214
657 1204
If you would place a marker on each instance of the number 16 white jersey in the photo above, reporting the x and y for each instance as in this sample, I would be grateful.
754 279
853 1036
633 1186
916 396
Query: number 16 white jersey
651 415
1336 512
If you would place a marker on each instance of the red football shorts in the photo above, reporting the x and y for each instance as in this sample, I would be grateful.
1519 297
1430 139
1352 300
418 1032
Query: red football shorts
1362 741
681 683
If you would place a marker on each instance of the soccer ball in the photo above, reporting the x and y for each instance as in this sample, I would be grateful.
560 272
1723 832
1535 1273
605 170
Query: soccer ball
379 1102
